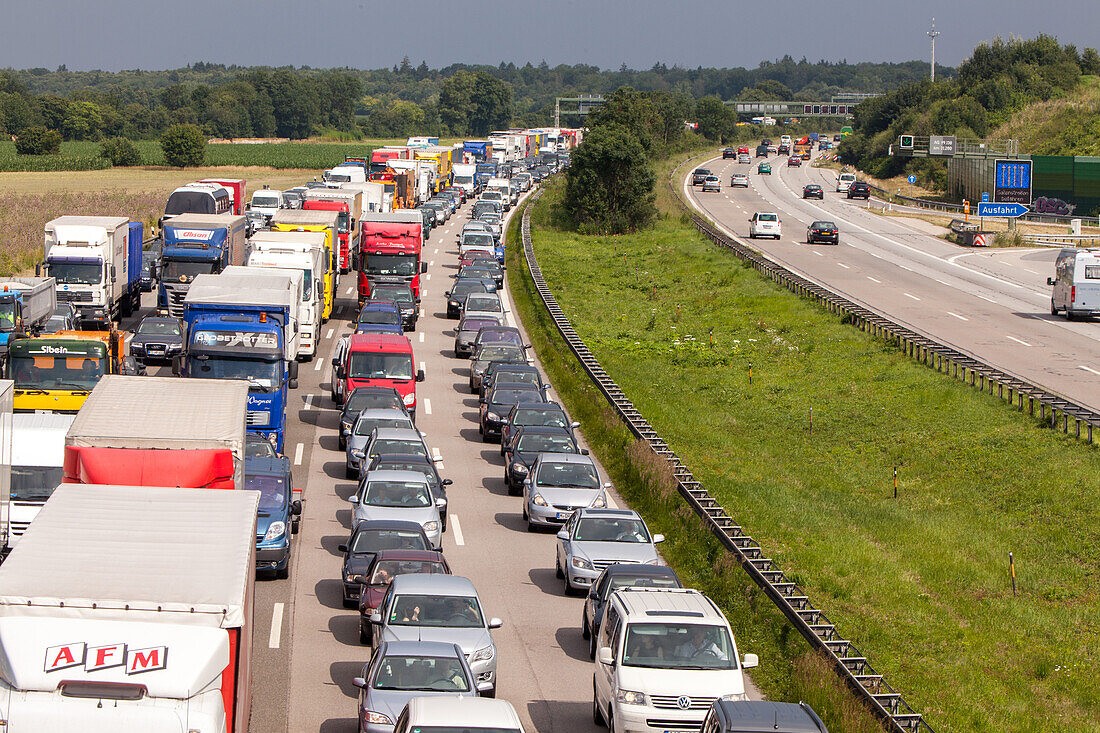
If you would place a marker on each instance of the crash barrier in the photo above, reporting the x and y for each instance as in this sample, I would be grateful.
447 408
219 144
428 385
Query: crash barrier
967 233
885 195
814 625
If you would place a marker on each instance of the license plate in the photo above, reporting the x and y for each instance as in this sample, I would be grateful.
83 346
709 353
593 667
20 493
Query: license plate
563 515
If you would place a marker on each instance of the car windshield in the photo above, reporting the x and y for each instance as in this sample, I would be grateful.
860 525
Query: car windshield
568 476
500 352
606 529
512 396
462 612
678 646
555 418
368 365
265 200
272 492
363 399
374 540
544 444
493 336
396 494
435 674
389 446
477 239
159 327
465 287
813 187
398 295
257 447
473 325
387 317
56 323
385 570
364 425
823 225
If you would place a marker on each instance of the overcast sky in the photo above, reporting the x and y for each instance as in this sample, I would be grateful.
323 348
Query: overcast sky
153 34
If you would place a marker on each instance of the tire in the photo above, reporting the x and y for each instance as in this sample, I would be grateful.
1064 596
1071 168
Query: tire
586 633
610 723
567 590
1053 308
342 441
557 570
284 573
751 235
350 604
364 634
490 694
350 473
597 714
592 645
1069 314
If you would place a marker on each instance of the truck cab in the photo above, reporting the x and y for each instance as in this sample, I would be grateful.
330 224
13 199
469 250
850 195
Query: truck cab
278 517
56 372
37 466
266 202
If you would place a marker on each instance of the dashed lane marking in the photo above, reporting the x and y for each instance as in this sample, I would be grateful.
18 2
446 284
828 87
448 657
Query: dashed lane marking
456 531
299 450
276 635
956 315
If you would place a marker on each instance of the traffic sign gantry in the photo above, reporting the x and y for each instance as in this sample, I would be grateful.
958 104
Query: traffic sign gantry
1009 211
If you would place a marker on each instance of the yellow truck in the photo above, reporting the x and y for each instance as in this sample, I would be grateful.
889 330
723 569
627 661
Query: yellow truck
298 220
55 372
443 156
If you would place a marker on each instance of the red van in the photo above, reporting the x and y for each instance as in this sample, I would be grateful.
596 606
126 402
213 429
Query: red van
376 359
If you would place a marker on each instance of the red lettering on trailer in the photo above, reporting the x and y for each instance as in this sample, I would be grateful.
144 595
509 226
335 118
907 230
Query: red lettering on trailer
147 660
106 657
64 656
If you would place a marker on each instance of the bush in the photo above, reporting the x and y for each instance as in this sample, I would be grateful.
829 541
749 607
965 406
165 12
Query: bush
183 145
609 183
38 140
120 151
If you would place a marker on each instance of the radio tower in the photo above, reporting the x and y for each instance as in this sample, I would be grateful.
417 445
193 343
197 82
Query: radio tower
932 34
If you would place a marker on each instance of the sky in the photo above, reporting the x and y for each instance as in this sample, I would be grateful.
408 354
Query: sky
154 34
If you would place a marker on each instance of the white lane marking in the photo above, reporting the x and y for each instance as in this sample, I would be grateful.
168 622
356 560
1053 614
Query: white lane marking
907 295
983 297
422 368
956 315
427 276
317 366
427 406
330 332
437 458
1088 369
1025 343
942 282
421 337
435 251
276 635
456 531
349 290
299 450
874 280
1032 271
910 269
817 253
431 263
309 401
844 266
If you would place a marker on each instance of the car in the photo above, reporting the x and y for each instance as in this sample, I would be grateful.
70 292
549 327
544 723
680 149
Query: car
428 218
765 224
822 144
400 671
415 462
402 295
772 149
510 371
499 402
489 269
495 223
476 239
526 443
739 180
764 169
498 197
64 318
481 358
458 715
380 316
149 265
398 495
367 539
293 198
859 190
157 339
366 398
712 183
699 175
744 159
440 608
467 331
742 149
386 566
614 577
728 153
277 517
595 537
483 305
761 716
823 231
456 296
256 447
794 162
761 151
365 423
837 138
558 484
386 441
813 191
481 207
500 335
784 149
844 182
548 414
441 211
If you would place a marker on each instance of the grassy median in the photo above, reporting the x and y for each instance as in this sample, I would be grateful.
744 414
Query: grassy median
803 455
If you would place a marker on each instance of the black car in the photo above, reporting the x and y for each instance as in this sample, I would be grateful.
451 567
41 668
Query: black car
549 414
366 398
699 175
813 191
859 190
761 151
500 335
366 539
499 401
427 215
620 575
420 464
728 153
507 371
256 447
402 295
157 339
456 296
823 231
483 268
784 149
466 332
526 443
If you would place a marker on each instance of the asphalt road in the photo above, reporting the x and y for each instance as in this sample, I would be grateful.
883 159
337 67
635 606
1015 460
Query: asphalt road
992 304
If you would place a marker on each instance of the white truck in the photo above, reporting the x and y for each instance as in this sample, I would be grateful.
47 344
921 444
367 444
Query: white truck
465 177
303 251
341 174
105 626
37 463
509 195
424 173
266 202
374 196
96 263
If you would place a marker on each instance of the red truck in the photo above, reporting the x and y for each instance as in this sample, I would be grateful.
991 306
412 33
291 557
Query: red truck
323 199
391 250
380 157
236 188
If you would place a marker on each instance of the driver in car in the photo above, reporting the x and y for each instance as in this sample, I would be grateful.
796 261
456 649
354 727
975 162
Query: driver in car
699 644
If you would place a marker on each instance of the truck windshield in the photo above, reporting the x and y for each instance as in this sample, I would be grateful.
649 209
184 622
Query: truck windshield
176 269
34 483
272 492
259 373
404 265
7 317
76 273
266 202
462 180
366 365
79 372
307 284
342 222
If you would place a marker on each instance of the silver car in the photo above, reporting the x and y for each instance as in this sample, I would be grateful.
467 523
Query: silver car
360 433
592 539
488 353
399 495
440 608
483 305
558 484
401 670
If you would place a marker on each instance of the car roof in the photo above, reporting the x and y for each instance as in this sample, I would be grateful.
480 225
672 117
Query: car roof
440 585
374 388
388 524
474 712
604 513
758 716
391 342
379 305
399 434
385 474
640 568
419 648
574 458
675 605
405 458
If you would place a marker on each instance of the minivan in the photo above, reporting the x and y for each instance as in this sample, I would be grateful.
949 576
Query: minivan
664 656
379 360
1076 283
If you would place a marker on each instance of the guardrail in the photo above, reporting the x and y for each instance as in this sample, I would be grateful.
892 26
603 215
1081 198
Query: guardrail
1062 240
886 195
814 625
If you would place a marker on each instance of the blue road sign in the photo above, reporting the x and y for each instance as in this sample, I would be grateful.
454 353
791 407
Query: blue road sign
1008 211
985 195
912 179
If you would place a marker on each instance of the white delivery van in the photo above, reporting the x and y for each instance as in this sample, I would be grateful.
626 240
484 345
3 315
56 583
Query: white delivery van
844 181
1076 283
664 655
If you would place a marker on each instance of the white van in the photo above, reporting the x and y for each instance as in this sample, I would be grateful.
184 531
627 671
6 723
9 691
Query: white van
844 181
505 187
664 655
1076 283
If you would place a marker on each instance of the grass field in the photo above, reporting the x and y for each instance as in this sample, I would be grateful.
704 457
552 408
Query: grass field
919 582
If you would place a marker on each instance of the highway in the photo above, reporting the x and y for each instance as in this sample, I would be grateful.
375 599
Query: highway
991 304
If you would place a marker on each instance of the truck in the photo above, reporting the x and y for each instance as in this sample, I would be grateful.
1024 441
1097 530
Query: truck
245 326
374 197
236 188
26 303
442 155
37 463
391 251
55 372
113 628
380 157
266 202
201 197
179 432
485 171
423 175
803 147
347 172
477 151
95 262
7 391
327 222
197 244
421 142
465 177
349 203
305 252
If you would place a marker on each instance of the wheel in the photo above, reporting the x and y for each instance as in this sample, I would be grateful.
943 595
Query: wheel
343 442
364 634
348 603
592 644
557 571
567 590
490 694
1053 308
752 236
597 714
1069 314
350 473
284 573
512 489
586 633
485 437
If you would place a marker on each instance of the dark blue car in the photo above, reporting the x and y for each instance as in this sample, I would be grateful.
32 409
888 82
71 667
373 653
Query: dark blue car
379 316
279 512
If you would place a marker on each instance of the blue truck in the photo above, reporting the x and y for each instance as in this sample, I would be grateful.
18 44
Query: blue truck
477 151
485 171
197 244
278 515
243 324
26 304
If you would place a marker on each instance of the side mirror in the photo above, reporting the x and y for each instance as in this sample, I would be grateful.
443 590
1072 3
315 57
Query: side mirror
446 482
342 548
336 362
495 623
423 267
376 618
574 424
584 451
658 538
420 375
1050 281
359 682
296 507
293 370
563 534
357 454
353 499
604 656
750 661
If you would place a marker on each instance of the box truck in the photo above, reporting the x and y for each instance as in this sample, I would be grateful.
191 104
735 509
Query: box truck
37 465
197 244
26 303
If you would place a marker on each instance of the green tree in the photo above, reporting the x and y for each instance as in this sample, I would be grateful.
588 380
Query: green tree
609 183
82 121
456 101
716 120
183 145
120 152
492 104
38 140
628 108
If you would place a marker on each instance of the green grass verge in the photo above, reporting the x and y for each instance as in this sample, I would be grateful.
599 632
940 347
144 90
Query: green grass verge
920 582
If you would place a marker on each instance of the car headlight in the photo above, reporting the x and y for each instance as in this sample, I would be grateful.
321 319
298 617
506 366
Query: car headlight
378 718
137 348
537 500
519 468
431 527
630 697
581 563
483 654
275 530
599 502
740 696
492 416
409 399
